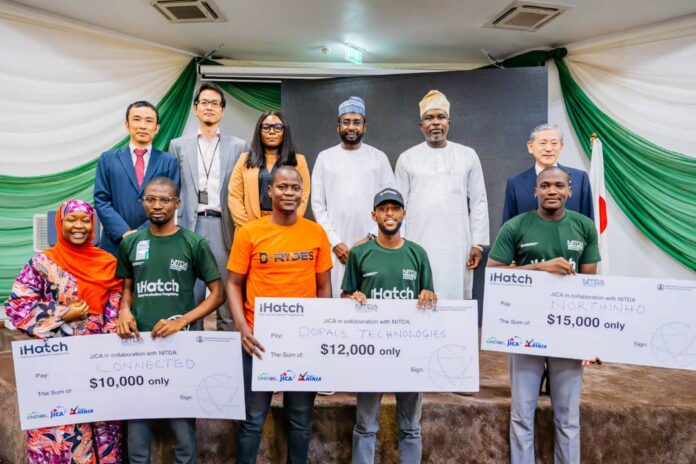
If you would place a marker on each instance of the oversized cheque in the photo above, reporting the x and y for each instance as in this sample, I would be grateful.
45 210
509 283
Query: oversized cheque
71 380
383 346
650 322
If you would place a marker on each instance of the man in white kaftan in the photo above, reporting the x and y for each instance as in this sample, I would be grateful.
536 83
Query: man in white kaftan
345 180
445 194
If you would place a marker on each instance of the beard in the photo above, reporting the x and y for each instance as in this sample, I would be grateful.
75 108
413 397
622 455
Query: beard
389 232
160 221
348 141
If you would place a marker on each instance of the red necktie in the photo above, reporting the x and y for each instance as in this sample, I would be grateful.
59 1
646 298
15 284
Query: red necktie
140 165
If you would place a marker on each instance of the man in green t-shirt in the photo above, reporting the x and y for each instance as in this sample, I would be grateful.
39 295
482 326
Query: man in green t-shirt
556 240
160 265
388 267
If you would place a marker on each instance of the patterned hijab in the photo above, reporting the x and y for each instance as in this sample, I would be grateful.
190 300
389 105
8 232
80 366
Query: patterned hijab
93 268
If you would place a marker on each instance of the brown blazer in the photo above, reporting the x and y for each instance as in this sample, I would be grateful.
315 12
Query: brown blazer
243 191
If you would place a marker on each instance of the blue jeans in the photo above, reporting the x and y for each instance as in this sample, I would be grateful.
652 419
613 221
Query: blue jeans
298 409
140 439
408 417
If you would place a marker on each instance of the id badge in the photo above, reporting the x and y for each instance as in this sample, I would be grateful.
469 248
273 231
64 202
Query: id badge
203 197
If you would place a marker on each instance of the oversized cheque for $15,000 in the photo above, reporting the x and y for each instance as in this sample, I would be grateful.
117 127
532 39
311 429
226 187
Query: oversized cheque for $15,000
650 322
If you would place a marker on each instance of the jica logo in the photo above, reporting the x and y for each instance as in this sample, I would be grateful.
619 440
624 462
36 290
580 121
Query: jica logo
58 411
287 376
513 341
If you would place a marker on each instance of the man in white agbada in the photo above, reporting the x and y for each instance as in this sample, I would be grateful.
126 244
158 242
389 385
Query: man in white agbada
345 180
436 178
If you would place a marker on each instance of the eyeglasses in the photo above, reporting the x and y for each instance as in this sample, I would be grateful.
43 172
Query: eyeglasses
276 127
209 103
151 200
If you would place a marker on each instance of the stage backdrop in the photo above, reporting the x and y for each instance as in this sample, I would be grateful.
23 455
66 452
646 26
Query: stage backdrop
493 111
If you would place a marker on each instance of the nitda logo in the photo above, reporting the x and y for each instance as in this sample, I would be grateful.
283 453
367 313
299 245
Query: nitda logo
592 282
575 245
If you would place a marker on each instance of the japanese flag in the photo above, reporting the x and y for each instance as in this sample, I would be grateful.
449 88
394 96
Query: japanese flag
599 198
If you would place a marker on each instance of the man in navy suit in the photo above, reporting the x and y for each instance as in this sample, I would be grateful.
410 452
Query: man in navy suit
123 173
545 145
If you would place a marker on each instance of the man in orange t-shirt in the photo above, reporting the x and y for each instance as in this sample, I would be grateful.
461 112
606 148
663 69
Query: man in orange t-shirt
280 255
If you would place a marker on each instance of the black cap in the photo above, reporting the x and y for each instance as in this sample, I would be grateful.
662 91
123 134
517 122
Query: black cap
388 194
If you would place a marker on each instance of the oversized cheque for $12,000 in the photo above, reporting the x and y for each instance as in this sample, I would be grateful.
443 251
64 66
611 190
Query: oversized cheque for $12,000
319 344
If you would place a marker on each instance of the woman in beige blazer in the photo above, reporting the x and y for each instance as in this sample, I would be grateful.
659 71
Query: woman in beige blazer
271 147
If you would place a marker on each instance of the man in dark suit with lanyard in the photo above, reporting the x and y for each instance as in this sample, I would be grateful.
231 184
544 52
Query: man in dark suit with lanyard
122 174
206 160
545 145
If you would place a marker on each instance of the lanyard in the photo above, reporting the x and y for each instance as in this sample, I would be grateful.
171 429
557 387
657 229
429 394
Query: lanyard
208 168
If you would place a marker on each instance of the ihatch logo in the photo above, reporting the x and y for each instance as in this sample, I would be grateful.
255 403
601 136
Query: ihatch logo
499 277
146 288
277 308
45 348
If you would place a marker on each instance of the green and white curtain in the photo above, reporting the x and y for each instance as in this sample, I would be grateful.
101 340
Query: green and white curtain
637 91
65 87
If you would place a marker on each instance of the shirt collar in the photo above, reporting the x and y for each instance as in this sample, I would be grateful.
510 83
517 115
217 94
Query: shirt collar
132 147
538 168
217 132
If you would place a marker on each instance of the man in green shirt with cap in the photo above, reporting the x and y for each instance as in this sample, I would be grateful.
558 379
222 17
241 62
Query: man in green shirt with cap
388 267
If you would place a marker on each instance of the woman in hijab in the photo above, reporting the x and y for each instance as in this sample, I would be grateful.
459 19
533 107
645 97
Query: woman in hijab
271 148
69 289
